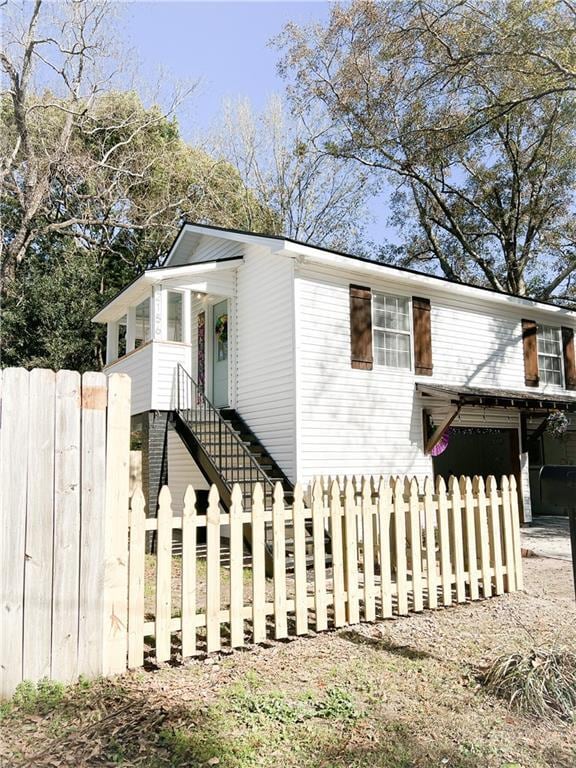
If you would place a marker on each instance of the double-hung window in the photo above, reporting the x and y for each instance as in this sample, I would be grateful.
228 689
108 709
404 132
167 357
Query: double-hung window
391 328
549 355
175 315
142 330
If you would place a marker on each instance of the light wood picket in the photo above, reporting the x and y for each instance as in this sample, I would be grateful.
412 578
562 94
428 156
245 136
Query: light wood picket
164 574
39 528
451 528
136 579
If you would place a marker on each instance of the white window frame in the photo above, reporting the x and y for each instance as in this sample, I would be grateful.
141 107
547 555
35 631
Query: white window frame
147 337
407 333
182 293
560 356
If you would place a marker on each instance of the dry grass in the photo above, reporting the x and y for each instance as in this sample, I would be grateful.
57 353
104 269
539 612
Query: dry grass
397 694
540 683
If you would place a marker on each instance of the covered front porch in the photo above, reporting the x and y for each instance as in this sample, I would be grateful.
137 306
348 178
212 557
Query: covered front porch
480 431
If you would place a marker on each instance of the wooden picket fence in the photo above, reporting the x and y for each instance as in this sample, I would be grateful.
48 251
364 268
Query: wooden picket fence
391 549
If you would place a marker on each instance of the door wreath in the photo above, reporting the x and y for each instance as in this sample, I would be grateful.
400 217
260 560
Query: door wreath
221 328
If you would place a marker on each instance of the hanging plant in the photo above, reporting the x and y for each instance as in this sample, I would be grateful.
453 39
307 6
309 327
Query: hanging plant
221 329
557 424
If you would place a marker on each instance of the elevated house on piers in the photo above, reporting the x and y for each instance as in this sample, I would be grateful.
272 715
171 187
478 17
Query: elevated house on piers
261 358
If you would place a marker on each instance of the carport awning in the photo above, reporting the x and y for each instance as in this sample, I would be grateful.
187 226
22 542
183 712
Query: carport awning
536 401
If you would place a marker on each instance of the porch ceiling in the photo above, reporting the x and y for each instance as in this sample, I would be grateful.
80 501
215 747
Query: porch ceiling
533 401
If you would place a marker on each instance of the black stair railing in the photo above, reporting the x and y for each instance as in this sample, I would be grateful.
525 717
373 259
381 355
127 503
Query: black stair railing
226 450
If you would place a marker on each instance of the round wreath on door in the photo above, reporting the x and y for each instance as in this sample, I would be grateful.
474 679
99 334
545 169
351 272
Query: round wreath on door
221 328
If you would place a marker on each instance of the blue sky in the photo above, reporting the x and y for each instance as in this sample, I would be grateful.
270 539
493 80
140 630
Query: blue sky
224 45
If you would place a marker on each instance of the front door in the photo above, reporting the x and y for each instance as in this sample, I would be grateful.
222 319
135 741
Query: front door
220 354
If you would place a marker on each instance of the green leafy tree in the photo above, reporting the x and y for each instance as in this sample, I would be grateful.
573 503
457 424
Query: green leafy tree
466 108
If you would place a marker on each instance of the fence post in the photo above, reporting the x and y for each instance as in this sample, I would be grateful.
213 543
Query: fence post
115 595
13 465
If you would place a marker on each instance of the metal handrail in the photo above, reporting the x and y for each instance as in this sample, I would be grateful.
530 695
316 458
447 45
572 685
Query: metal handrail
192 400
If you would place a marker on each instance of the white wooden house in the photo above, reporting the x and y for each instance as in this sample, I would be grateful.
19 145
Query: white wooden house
261 358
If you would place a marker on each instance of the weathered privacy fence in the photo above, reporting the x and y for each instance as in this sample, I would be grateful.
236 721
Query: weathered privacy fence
64 452
391 549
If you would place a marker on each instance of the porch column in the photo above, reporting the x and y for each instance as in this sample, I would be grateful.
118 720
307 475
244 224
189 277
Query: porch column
111 342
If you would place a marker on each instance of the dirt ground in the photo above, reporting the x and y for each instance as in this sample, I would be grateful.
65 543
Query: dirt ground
399 694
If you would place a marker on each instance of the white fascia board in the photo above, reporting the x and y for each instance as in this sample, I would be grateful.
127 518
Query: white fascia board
309 254
141 287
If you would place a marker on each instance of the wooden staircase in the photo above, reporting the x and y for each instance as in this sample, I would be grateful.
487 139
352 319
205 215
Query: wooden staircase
228 453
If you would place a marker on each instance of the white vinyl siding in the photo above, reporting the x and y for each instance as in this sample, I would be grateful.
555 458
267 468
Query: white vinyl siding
550 355
349 421
137 365
182 472
264 343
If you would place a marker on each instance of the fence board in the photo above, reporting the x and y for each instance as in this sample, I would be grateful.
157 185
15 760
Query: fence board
456 540
93 494
213 597
401 542
300 587
318 537
337 555
368 551
66 572
351 553
515 512
495 534
484 539
258 566
507 535
444 541
115 648
279 548
384 508
13 485
136 574
37 648
415 543
236 570
431 574
164 575
471 564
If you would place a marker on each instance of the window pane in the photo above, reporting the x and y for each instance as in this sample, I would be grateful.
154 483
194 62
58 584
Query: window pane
142 323
122 336
175 304
549 355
